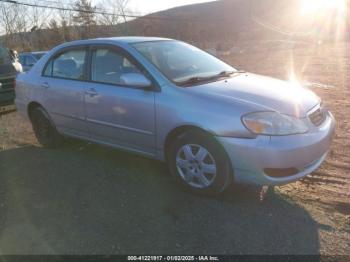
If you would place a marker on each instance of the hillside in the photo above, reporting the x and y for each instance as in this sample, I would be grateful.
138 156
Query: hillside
217 24
239 20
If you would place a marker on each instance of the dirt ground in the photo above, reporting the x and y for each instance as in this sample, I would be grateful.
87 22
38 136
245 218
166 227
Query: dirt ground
87 199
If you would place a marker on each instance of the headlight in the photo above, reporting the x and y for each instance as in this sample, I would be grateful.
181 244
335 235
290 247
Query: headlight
273 124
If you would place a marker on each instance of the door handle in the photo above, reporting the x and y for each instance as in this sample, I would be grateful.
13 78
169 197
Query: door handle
91 92
45 85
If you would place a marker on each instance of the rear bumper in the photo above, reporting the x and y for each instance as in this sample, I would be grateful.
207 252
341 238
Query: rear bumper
7 98
7 91
304 152
7 102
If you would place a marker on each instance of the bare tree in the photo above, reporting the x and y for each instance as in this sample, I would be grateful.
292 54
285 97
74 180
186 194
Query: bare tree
53 35
37 16
115 12
36 27
66 23
13 20
123 5
112 8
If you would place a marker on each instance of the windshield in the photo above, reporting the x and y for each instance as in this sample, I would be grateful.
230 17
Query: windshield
181 62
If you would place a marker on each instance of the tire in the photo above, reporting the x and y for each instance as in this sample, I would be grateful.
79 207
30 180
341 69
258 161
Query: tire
44 130
199 163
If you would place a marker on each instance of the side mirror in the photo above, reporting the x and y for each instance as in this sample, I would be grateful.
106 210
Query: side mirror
135 80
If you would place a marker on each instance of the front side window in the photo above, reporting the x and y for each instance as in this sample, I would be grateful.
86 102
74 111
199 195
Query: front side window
69 65
107 66
180 62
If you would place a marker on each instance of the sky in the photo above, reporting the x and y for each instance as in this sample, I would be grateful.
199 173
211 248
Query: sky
149 6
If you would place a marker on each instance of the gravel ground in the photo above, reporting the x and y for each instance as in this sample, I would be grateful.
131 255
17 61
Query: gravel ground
87 199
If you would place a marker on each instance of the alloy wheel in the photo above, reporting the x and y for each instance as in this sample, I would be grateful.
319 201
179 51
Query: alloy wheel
196 166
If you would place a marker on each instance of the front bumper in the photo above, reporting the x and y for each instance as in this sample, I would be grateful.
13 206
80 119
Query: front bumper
305 152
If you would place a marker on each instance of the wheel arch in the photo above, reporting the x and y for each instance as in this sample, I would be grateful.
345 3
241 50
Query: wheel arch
177 131
31 106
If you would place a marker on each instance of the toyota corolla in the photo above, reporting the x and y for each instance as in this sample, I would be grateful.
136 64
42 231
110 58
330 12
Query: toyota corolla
165 99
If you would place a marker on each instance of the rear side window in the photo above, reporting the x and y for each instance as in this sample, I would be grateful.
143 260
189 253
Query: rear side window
30 61
68 65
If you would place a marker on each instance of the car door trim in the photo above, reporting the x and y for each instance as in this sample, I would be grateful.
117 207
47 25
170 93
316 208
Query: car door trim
112 145
68 116
136 130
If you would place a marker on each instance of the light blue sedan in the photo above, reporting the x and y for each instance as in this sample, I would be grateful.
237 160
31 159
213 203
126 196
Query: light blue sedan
168 100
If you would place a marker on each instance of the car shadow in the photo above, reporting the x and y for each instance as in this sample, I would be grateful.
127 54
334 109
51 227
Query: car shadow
87 199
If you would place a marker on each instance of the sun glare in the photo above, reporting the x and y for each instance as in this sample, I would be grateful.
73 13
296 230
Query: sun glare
315 6
327 17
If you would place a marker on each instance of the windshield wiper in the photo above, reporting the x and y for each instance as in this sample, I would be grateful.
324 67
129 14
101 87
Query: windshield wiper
228 73
198 79
193 80
223 74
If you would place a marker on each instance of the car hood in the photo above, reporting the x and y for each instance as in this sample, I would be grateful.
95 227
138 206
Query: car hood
265 93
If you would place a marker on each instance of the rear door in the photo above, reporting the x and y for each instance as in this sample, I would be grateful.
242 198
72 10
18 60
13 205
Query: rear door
64 80
117 114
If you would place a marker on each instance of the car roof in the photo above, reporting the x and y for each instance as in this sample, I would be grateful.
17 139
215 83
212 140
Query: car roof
121 40
135 39
33 53
38 52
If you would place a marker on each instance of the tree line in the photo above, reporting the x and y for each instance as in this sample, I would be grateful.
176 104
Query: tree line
28 28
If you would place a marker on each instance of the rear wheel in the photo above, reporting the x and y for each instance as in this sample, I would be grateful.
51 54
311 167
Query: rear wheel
199 163
45 132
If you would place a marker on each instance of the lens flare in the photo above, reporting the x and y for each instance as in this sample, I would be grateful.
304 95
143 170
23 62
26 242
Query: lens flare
327 17
316 6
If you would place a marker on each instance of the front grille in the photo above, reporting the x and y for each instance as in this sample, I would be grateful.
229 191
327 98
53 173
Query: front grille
7 83
317 117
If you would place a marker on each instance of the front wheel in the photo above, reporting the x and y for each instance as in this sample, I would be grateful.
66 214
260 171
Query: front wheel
199 163
45 132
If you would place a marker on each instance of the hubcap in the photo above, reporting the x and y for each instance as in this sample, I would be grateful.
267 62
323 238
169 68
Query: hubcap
196 165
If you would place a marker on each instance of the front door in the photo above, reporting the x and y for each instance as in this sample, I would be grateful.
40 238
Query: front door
117 114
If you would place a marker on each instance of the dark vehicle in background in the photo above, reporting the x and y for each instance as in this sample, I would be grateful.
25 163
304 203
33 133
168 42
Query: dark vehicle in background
28 59
9 68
